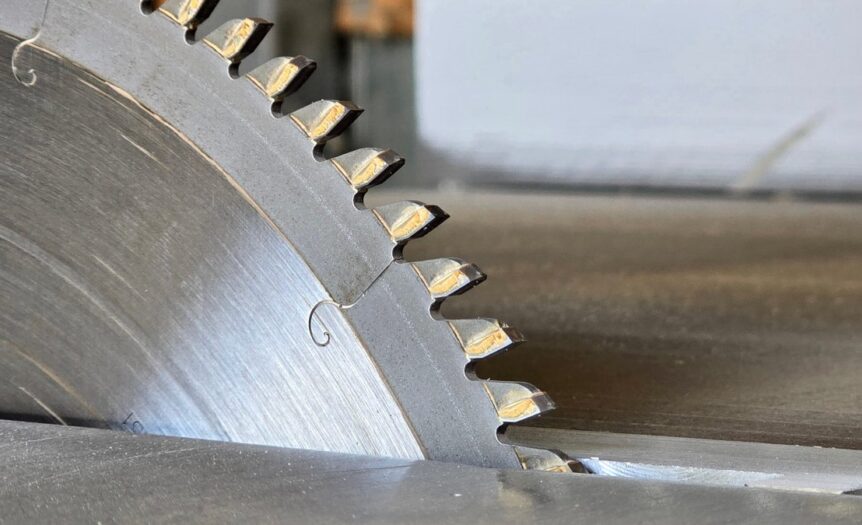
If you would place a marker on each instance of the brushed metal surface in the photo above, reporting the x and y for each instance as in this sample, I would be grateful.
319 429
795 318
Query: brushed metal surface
50 473
139 288
147 61
704 461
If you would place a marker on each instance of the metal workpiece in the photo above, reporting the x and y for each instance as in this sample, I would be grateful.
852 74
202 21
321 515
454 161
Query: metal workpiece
87 475
703 461
701 317
166 239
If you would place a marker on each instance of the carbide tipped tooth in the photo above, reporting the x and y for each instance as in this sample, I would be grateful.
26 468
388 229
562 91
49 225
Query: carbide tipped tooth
546 460
517 401
482 337
188 13
282 76
409 219
237 39
445 277
325 119
367 167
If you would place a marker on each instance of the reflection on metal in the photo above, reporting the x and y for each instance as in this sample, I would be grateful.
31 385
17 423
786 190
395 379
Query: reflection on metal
325 119
704 461
237 39
445 277
187 13
367 167
409 219
484 337
517 402
282 76
627 469
85 475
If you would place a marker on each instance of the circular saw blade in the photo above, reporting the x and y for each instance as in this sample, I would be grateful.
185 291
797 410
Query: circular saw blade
166 232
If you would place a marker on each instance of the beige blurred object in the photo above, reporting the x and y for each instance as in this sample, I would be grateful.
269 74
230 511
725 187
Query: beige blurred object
375 18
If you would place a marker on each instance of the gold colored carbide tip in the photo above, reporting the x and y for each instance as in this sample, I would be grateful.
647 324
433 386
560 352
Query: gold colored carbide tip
328 120
281 76
518 410
445 277
186 13
368 166
324 119
544 460
448 283
404 220
483 337
516 401
237 38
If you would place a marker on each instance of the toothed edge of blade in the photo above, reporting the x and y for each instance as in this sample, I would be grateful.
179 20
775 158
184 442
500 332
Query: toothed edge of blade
409 219
367 167
325 119
517 402
545 460
236 39
481 338
363 168
281 76
188 13
446 277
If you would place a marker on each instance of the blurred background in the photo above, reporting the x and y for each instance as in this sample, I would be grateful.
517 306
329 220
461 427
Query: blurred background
711 96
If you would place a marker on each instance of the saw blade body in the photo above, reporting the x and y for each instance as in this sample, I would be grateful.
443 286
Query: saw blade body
165 233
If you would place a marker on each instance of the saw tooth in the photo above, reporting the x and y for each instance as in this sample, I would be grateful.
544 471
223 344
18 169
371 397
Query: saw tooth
517 401
282 76
546 460
188 13
367 167
325 119
445 277
236 39
482 337
409 219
